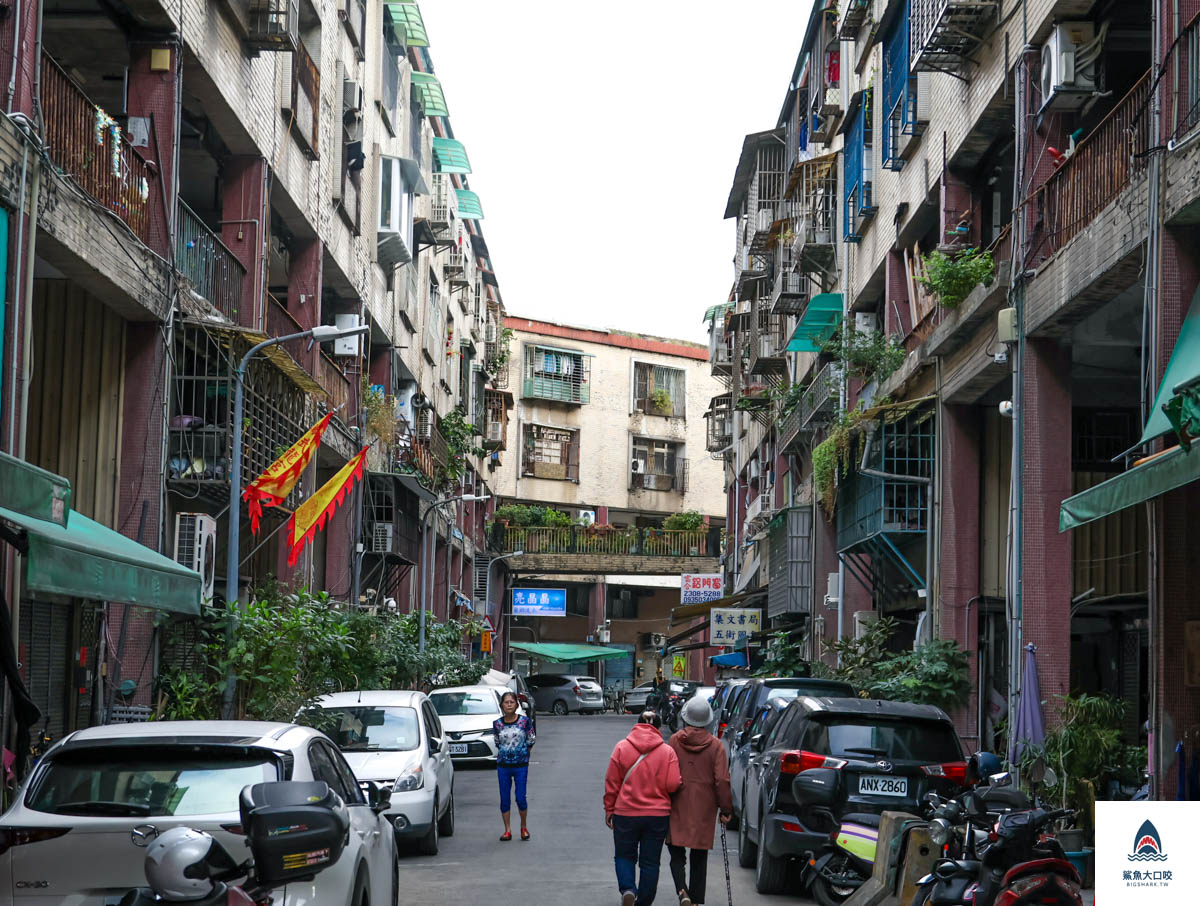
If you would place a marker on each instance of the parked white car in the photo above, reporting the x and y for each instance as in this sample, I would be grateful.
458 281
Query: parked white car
467 714
80 825
396 740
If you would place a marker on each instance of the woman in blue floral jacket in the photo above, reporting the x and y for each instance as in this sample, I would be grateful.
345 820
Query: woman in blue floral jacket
515 737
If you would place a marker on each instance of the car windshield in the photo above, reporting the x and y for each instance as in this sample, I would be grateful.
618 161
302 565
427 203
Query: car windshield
367 729
147 782
457 704
923 741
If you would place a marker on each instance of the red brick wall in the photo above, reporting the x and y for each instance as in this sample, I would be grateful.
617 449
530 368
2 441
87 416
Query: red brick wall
152 94
1046 553
244 198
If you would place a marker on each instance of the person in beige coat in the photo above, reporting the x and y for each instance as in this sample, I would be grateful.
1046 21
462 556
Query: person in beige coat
704 792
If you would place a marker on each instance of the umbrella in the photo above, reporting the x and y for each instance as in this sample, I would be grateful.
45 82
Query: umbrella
1031 727
1181 772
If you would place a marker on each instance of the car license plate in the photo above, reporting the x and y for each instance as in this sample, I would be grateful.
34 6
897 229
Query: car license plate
879 785
458 748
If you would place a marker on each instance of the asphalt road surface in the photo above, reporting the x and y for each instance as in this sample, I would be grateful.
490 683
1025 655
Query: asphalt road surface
569 861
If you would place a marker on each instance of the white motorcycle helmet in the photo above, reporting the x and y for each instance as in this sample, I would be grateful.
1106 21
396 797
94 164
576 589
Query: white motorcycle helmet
180 864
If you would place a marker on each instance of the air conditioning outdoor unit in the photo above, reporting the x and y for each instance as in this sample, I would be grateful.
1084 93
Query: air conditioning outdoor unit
381 538
346 345
196 548
657 639
587 517
495 432
1070 60
352 95
863 620
865 321
636 467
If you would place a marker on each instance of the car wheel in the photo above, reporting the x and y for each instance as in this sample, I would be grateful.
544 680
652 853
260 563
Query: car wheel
428 845
829 894
560 707
746 848
769 873
446 822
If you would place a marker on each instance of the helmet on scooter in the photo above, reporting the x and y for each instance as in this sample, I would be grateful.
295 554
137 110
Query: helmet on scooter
983 765
181 864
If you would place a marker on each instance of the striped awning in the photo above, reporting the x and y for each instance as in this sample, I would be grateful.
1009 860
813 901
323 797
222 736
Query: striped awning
717 310
429 90
406 22
450 156
469 207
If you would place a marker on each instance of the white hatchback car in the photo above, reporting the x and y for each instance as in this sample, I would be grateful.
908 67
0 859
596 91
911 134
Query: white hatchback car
396 740
467 714
81 823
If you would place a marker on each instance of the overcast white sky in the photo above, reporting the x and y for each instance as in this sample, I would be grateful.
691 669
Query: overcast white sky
603 139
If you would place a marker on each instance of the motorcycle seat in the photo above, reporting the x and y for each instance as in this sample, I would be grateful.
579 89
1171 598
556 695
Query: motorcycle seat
863 818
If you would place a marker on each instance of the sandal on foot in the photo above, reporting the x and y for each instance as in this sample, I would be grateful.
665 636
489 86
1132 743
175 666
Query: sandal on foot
506 837
524 834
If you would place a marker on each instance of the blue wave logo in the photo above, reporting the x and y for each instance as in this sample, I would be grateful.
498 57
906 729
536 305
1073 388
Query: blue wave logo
1147 845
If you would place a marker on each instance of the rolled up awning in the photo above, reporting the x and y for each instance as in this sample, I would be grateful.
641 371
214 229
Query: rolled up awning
564 652
1155 476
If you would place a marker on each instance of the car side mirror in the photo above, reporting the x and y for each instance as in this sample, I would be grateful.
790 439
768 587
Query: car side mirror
758 742
379 799
435 744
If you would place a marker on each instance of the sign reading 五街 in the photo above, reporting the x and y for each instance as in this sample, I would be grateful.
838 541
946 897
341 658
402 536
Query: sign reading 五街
700 588
539 602
729 624
679 666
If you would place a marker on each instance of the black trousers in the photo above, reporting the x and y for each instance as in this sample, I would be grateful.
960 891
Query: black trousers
699 871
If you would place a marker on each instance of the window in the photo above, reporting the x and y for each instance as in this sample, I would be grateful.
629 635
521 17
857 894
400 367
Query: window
658 465
854 737
461 704
395 201
551 453
658 390
433 726
859 202
623 605
563 375
329 766
579 605
367 729
900 92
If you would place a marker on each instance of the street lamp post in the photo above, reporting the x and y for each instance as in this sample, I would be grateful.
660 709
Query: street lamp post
430 557
487 585
321 333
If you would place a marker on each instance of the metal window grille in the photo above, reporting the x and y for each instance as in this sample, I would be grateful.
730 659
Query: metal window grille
554 374
898 85
857 156
649 378
551 453
660 466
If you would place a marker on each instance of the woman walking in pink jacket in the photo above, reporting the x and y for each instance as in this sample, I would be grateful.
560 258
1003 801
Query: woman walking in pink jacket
643 772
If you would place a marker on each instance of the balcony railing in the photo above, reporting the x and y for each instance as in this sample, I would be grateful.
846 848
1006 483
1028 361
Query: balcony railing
337 387
90 147
579 539
280 323
1098 170
210 268
821 397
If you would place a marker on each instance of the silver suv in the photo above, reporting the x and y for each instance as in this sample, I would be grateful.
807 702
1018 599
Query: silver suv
564 693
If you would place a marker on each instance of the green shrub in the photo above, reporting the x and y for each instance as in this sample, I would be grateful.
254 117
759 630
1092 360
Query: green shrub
687 521
952 277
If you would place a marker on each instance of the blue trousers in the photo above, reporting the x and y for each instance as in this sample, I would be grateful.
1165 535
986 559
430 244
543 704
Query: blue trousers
508 776
637 843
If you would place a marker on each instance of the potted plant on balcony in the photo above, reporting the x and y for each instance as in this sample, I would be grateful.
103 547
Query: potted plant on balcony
687 521
951 277
660 402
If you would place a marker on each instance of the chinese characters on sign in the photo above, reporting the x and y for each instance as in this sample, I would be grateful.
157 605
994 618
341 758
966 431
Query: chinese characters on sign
699 588
539 602
729 624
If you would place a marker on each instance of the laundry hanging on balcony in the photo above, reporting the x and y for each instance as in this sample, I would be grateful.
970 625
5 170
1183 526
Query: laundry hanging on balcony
272 487
312 515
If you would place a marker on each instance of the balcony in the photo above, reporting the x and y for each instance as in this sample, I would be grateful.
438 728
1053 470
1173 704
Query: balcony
813 248
768 342
945 32
605 549
443 212
412 456
558 375
789 294
853 17
673 476
1096 173
274 25
821 398
209 267
790 542
789 431
339 392
720 423
280 323
89 146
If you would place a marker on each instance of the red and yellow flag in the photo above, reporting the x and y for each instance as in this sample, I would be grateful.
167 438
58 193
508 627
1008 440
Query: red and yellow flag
310 516
272 487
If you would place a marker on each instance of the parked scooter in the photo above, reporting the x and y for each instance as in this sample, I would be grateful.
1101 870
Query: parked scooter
848 858
294 829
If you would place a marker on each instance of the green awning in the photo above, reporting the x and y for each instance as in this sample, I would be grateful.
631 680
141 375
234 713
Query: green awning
87 560
820 319
469 207
1165 472
406 15
563 653
450 156
31 491
429 89
1183 368
717 310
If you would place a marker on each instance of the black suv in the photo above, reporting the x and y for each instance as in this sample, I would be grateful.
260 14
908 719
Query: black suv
886 755
755 695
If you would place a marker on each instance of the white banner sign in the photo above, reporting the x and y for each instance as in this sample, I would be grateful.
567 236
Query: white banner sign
729 624
1145 852
700 588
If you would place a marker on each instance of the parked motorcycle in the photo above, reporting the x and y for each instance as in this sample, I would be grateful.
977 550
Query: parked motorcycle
294 830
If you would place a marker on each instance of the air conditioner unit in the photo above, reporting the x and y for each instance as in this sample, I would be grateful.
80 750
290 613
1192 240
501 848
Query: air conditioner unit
863 620
656 482
865 322
346 345
425 424
657 639
637 467
495 432
196 548
1070 61
587 517
381 537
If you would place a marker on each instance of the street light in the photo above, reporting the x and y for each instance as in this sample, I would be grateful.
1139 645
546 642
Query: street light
321 333
487 585
429 557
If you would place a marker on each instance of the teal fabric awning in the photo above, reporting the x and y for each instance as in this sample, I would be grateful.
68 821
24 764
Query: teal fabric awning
564 653
85 559
407 24
820 319
429 90
717 311
450 156
469 207
1183 368
1158 475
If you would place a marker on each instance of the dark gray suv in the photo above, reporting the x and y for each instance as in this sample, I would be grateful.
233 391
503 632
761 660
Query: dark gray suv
564 693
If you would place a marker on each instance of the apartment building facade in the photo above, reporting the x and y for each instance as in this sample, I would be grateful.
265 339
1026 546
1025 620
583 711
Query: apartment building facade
980 448
607 431
190 181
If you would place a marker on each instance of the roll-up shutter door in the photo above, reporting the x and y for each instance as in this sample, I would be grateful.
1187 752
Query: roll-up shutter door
46 655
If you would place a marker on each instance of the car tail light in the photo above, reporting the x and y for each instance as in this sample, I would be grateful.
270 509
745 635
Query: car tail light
795 762
19 836
577 691
237 828
721 730
793 827
523 698
952 770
